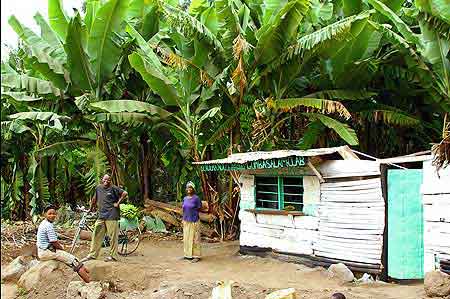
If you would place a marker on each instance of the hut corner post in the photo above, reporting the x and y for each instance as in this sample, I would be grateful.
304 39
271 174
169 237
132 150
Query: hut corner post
384 254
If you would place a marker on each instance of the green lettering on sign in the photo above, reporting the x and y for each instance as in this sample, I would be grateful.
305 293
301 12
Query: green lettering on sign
258 164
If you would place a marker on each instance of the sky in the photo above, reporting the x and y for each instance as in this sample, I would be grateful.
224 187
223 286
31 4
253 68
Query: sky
24 10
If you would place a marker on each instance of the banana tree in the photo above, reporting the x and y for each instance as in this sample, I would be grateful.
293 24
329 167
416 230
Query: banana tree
42 127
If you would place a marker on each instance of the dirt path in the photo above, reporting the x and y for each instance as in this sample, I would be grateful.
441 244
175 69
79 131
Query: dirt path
157 265
221 262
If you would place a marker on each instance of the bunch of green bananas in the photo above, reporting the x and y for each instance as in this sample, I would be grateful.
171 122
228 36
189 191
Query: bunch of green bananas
129 211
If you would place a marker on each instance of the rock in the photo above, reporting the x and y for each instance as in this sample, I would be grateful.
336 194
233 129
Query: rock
9 291
341 273
35 274
99 270
222 290
437 284
15 269
33 263
85 235
82 290
282 294
366 278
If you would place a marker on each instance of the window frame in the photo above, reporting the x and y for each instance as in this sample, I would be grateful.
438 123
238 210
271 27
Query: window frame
280 191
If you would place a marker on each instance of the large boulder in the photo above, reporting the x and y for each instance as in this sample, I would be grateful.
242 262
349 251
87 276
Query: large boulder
341 273
82 290
15 269
37 273
437 284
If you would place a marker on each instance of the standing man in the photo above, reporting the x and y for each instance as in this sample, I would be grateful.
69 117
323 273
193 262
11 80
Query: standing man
107 197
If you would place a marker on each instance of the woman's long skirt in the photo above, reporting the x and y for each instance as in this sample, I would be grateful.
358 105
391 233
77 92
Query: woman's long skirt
191 239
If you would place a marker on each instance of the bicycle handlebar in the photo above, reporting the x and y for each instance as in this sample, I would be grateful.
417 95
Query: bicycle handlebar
84 210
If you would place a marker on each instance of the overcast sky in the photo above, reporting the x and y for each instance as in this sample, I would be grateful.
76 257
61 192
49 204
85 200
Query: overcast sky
24 10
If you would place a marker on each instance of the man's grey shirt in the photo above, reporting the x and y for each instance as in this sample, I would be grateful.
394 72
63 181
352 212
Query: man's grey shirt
106 197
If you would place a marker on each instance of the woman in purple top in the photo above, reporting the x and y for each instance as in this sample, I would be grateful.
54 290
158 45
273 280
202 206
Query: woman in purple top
191 224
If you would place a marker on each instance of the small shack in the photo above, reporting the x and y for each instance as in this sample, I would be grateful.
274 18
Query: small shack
326 206
436 216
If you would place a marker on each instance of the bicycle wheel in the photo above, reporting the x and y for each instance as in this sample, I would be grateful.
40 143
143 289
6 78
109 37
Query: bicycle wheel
129 241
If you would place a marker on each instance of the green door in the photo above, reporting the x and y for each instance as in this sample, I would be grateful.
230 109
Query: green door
405 224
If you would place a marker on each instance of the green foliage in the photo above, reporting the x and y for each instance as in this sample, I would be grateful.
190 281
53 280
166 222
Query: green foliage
129 211
142 89
103 45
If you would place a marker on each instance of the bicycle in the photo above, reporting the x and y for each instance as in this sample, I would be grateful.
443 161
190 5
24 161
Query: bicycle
129 239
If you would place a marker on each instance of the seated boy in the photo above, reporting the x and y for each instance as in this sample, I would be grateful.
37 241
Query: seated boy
337 296
49 248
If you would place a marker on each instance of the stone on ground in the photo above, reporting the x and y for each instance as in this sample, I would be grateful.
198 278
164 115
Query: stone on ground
9 291
37 273
437 284
82 290
341 273
15 269
282 294
222 290
99 270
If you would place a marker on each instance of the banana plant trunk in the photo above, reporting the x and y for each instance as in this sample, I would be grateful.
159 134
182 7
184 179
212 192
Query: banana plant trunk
205 186
146 166
26 188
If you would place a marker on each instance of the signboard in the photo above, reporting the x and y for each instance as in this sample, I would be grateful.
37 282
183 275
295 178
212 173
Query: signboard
259 164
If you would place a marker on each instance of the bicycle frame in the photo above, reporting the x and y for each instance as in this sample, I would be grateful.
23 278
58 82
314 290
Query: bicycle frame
82 225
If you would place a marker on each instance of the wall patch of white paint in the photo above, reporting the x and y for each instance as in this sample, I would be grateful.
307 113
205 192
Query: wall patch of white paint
436 215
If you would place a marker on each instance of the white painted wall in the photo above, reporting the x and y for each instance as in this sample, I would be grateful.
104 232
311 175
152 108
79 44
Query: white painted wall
285 233
346 219
436 214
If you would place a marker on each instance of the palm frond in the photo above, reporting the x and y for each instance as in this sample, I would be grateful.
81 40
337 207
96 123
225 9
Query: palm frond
335 31
436 23
117 106
341 94
39 116
20 96
129 119
229 26
189 26
97 164
310 136
280 30
390 117
30 84
396 20
61 147
343 130
53 55
325 106
39 186
223 128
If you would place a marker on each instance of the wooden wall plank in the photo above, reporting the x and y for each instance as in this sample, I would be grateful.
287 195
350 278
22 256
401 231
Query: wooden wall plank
343 255
352 184
349 168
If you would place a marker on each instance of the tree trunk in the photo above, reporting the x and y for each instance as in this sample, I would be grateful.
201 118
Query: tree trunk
146 166
236 136
26 188
111 156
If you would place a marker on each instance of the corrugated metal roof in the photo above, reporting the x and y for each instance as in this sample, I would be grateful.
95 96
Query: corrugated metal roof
241 158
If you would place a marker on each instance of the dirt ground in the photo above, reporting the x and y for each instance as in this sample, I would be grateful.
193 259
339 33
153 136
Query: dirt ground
157 266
